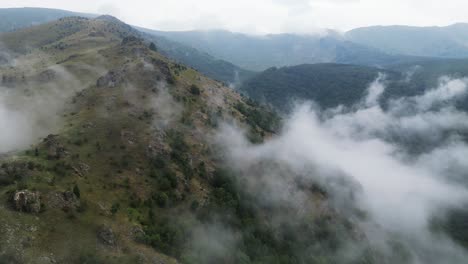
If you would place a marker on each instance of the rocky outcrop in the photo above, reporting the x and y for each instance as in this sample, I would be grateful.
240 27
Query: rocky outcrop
110 80
55 150
132 40
81 169
27 201
14 171
46 76
106 235
128 137
137 233
157 145
66 201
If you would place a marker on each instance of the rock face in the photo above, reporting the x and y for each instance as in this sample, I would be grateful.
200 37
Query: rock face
27 201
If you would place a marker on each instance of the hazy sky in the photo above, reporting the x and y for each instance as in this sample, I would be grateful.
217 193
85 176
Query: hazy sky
266 16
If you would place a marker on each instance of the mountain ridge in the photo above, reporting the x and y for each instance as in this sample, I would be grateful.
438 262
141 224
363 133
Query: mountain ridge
447 41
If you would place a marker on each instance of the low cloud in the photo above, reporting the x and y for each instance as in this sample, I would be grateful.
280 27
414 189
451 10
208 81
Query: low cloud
362 157
34 107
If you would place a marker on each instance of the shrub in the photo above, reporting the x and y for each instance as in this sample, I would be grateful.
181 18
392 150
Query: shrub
195 90
162 199
194 206
115 208
153 47
76 191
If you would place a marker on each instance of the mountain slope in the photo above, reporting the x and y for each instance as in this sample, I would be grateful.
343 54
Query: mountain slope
119 162
327 84
330 85
215 68
448 42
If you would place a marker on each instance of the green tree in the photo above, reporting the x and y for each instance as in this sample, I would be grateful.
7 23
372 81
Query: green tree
153 47
76 191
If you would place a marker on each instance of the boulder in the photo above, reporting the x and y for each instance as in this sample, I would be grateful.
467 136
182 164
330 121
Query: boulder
27 201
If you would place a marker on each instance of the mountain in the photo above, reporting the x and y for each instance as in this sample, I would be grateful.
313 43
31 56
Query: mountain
258 53
447 42
110 154
16 18
330 84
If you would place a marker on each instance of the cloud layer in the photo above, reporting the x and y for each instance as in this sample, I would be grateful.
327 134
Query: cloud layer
267 16
361 154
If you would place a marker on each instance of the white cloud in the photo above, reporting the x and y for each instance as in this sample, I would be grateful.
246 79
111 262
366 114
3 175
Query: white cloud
266 16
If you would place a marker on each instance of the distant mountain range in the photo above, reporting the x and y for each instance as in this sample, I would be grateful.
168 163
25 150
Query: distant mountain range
447 42
258 53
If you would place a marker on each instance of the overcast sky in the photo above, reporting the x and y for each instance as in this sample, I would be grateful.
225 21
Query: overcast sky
266 16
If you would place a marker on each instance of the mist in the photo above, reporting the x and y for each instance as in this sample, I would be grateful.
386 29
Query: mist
401 165
32 104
